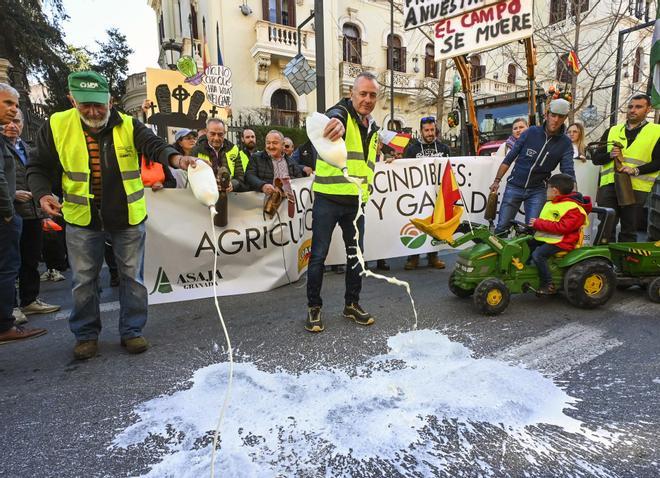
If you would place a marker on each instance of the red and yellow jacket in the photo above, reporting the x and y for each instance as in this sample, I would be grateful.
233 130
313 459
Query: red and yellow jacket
562 220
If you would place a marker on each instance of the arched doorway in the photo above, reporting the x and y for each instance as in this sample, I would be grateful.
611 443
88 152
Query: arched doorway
284 110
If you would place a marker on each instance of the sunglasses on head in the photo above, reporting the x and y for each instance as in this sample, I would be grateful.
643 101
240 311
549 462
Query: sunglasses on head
427 120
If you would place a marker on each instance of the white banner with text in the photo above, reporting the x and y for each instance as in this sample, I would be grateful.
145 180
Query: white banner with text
256 253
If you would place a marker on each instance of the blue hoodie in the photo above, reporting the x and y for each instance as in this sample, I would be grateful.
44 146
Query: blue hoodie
537 155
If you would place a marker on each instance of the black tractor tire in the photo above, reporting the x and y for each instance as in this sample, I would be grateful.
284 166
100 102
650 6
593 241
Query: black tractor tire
653 290
590 283
491 296
456 290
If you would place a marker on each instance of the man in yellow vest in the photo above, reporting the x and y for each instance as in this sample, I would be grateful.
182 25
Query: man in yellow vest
639 158
91 154
219 152
336 200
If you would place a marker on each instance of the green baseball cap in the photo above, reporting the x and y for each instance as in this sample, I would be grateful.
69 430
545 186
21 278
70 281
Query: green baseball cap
89 87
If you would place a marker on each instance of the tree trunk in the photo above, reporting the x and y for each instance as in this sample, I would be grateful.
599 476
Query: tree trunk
577 8
440 98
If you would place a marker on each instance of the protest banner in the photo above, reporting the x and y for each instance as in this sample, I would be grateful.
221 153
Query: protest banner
177 103
257 254
485 28
217 79
423 12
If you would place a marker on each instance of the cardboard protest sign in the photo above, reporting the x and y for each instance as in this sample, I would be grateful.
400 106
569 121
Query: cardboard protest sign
485 28
423 12
217 80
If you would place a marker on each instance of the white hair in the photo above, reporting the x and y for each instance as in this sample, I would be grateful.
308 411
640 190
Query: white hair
4 87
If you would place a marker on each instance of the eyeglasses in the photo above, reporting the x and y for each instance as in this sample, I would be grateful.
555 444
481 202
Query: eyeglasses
427 120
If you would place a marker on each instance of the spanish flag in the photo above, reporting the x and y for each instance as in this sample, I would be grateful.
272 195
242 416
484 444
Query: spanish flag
396 141
446 214
573 62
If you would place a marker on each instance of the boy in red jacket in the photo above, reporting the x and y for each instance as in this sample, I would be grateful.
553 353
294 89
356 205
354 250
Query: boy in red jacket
559 226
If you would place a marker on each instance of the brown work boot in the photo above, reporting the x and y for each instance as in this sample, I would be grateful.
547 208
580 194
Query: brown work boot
135 345
412 263
85 349
434 261
548 289
17 333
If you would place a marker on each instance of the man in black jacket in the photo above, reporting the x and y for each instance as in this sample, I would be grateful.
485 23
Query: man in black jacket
10 227
29 280
94 151
265 166
428 145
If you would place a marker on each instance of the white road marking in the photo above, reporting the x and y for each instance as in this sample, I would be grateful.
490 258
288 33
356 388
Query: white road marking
562 349
105 307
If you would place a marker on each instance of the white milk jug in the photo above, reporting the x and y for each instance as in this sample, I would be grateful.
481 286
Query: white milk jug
332 152
203 184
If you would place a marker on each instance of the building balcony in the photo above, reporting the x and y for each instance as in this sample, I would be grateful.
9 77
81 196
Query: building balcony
282 41
347 74
490 87
405 84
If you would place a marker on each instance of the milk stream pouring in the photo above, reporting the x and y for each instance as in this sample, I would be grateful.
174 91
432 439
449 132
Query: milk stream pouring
203 184
332 152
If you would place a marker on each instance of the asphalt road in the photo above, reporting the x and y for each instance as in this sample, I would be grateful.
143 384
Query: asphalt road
59 417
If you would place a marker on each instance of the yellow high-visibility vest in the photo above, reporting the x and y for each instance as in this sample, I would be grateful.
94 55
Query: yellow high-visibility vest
554 212
71 146
330 180
639 153
231 156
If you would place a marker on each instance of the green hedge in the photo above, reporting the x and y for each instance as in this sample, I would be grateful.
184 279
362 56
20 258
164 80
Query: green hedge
298 135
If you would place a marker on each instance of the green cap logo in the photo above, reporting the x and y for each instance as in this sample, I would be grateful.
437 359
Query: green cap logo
89 87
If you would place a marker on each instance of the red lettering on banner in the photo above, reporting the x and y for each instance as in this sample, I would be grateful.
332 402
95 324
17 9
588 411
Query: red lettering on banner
441 29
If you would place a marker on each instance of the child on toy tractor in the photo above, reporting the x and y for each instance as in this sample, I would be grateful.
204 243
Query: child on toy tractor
559 227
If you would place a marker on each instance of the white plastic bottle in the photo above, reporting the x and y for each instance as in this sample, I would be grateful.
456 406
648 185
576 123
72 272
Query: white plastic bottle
332 152
203 184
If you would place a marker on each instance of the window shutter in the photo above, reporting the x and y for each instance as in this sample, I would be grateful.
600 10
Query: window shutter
403 59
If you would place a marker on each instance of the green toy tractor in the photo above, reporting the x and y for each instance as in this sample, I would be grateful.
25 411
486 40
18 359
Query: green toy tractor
494 267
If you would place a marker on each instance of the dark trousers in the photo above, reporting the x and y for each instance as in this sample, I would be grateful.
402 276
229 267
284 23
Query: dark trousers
541 252
28 276
10 263
630 216
325 216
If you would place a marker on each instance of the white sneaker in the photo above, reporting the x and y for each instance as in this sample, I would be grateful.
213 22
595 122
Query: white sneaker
39 307
19 317
56 275
45 276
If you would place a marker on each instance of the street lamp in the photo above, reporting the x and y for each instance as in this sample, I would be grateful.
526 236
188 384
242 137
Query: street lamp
174 49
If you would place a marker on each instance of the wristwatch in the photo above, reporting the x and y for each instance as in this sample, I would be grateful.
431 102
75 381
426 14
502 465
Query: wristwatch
636 171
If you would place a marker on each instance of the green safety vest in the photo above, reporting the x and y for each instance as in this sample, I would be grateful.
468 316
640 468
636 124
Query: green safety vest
231 156
554 212
71 147
638 154
331 180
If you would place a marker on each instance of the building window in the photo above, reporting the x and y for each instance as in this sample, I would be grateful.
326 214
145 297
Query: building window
161 29
557 11
478 71
430 66
564 74
352 44
583 4
637 8
637 67
280 11
511 74
396 54
284 111
193 19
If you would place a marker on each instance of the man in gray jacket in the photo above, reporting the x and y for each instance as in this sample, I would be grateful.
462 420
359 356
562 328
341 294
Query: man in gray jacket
10 227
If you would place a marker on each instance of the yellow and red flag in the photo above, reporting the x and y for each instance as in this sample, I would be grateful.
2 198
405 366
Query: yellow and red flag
396 141
573 62
446 214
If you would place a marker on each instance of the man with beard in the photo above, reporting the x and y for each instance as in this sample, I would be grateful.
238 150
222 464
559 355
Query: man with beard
220 152
249 145
91 153
428 145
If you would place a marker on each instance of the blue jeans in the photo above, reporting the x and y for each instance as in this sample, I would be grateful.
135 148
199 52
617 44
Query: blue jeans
541 252
514 196
10 263
325 216
86 248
